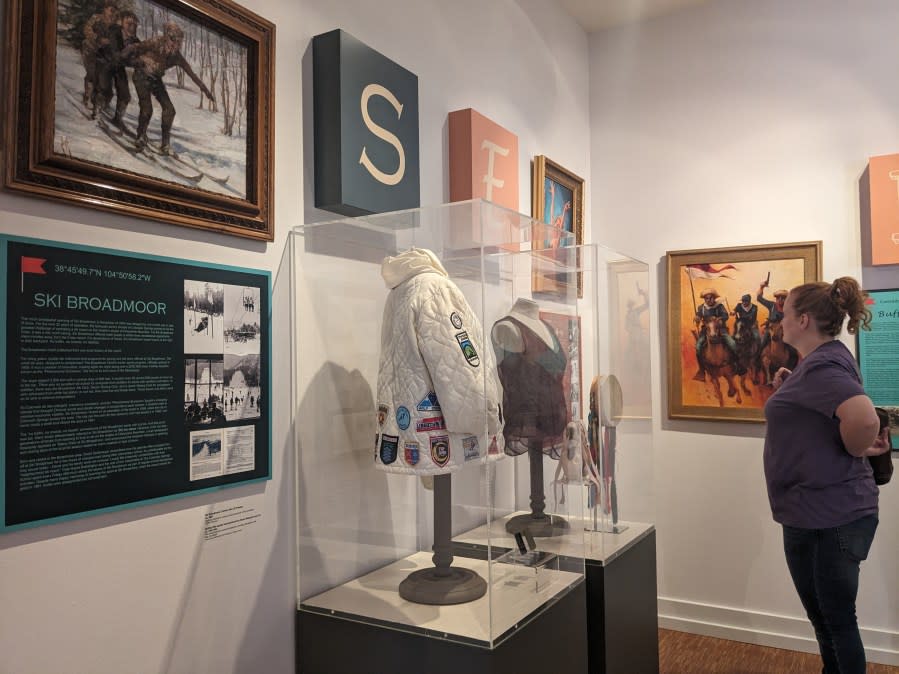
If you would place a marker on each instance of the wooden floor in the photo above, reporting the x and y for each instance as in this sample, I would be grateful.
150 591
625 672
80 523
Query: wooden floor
682 653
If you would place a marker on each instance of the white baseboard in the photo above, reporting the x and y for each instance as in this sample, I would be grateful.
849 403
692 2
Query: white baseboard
765 629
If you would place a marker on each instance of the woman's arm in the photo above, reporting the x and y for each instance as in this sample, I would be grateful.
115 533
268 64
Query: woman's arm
859 425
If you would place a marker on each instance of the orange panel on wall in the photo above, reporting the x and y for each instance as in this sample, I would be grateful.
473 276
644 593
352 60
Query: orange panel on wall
883 179
483 158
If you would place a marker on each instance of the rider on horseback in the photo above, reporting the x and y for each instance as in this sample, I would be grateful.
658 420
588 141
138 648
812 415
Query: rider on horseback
746 314
710 310
775 310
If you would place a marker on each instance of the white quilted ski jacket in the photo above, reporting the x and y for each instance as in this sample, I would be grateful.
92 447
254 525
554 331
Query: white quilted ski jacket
438 389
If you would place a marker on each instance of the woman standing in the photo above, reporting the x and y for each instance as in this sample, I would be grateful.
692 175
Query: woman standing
820 426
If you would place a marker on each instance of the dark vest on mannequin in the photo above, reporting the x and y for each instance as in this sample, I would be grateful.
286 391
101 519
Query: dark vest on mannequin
533 397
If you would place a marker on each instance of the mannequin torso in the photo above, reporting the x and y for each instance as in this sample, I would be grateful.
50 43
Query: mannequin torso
507 335
531 365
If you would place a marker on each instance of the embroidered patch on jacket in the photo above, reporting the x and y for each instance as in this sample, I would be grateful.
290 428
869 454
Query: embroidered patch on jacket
440 451
431 424
382 413
403 418
470 447
456 320
389 445
429 404
468 349
411 453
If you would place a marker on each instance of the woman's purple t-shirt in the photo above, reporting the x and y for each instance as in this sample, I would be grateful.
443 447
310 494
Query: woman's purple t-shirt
813 482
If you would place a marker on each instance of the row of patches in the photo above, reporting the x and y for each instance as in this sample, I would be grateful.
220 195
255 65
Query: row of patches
440 449
404 416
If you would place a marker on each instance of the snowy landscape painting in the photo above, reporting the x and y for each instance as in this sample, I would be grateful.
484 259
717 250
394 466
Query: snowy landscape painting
159 108
125 127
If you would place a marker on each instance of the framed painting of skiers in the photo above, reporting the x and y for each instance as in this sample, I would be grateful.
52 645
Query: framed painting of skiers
161 109
725 340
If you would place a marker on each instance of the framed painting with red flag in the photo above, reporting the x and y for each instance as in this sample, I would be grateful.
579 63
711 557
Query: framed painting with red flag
724 337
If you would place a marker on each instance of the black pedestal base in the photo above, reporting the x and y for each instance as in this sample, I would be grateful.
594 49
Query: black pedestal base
622 611
553 641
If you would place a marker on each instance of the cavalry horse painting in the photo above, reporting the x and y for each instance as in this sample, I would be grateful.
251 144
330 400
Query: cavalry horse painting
777 353
718 359
748 347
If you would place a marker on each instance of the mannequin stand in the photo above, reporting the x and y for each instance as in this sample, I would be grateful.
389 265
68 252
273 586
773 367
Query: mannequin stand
537 522
443 584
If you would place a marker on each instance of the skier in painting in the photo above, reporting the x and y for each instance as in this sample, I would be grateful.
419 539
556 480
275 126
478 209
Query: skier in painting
112 74
558 222
97 51
151 58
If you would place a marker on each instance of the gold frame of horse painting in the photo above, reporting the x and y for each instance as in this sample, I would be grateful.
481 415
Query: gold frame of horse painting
725 374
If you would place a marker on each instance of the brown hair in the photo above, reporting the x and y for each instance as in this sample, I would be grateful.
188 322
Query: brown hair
829 303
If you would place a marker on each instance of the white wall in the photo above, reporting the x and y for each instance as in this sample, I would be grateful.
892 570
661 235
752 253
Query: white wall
140 590
738 123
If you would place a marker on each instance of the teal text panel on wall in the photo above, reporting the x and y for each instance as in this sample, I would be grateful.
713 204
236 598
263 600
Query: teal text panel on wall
127 379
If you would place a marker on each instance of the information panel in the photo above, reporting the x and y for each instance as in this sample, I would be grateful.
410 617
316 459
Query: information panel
128 378
878 355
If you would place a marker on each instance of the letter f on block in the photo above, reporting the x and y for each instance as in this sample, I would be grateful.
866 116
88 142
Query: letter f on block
492 150
894 175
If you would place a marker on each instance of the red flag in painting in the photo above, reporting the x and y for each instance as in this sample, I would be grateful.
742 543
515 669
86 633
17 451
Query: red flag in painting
33 265
708 271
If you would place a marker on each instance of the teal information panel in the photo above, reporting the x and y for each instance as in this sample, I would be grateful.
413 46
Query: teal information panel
128 379
878 355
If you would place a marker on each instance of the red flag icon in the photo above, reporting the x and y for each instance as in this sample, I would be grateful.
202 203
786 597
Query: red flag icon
33 265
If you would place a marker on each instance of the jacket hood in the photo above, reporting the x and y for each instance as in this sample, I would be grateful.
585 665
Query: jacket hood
396 269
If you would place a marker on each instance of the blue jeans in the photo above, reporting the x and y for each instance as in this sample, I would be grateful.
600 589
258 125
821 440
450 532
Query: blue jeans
824 564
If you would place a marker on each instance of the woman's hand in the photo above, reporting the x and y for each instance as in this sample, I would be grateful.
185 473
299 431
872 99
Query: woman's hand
780 377
881 443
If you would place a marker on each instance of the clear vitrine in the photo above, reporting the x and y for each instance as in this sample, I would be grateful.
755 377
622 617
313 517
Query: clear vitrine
516 491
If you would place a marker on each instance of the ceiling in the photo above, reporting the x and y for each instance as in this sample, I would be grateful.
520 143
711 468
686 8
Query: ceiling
595 15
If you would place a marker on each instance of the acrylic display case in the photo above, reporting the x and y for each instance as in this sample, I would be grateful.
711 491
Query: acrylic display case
525 523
